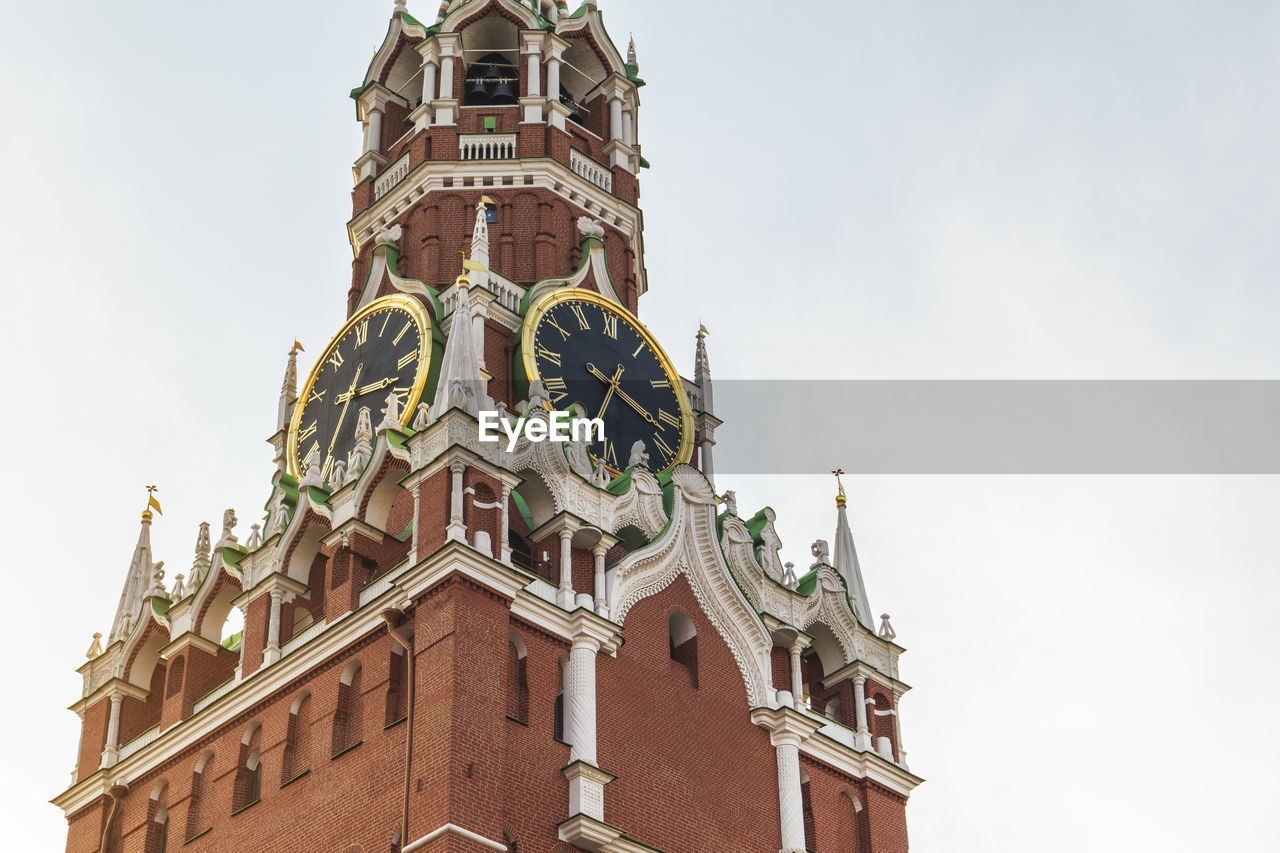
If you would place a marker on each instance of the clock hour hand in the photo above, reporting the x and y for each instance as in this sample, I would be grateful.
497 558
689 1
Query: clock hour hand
613 385
623 395
626 398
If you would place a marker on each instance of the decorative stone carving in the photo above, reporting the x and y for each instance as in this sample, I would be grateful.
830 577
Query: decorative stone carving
362 451
886 630
767 553
821 552
228 526
338 477
730 499
157 581
600 476
589 227
420 420
395 232
179 590
638 455
200 565
789 579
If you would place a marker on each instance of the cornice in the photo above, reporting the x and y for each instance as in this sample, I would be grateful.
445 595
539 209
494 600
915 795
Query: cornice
547 173
860 765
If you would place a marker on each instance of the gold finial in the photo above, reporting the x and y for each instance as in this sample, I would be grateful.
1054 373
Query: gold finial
840 498
297 347
702 330
151 502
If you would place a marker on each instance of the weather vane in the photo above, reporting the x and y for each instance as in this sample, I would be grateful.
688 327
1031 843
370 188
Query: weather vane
840 498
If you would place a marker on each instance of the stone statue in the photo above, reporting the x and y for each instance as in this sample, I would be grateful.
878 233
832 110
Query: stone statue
228 526
420 420
157 581
730 502
590 227
821 552
638 455
392 412
537 394
600 476
789 578
886 631
179 590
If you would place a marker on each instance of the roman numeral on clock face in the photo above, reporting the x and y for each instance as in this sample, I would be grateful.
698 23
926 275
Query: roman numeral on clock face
304 434
385 320
362 333
611 325
667 418
406 359
580 314
551 321
610 453
556 388
662 445
553 357
660 383
335 359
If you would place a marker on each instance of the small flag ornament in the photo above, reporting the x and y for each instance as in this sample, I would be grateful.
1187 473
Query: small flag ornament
152 503
298 347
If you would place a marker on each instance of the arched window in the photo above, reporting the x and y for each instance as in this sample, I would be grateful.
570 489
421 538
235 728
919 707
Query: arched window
248 781
196 823
177 670
492 80
517 680
850 822
684 643
881 719
806 802
297 750
557 724
397 686
157 834
347 729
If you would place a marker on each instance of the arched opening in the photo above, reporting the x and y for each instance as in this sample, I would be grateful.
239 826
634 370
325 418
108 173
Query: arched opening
824 656
580 72
558 727
493 80
517 679
347 730
196 822
806 803
247 788
491 51
849 822
397 686
521 551
297 749
683 642
156 839
533 499
881 712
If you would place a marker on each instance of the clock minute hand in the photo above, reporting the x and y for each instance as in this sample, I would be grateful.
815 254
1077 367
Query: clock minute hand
613 385
345 404
626 398
374 386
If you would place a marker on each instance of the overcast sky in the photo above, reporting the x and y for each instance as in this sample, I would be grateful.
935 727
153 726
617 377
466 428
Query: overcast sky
839 190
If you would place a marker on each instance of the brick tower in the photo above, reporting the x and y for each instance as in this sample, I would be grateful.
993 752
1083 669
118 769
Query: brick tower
452 644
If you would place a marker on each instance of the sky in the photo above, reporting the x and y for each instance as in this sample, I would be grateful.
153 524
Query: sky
839 190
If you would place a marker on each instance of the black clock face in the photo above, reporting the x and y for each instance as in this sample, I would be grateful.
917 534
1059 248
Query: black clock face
588 351
382 350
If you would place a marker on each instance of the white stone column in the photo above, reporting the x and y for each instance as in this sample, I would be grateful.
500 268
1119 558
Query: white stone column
862 736
897 728
272 652
413 543
553 77
566 569
373 140
456 530
111 753
790 798
601 600
580 699
506 533
446 77
535 76
615 118
428 80
797 679
628 134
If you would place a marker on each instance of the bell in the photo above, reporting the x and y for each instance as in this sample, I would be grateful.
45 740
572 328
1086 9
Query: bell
477 93
505 93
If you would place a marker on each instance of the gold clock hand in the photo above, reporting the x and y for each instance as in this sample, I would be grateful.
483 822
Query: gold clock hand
374 386
613 385
345 404
626 398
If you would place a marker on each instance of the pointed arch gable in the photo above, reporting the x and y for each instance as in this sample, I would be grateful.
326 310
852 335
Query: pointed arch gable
829 605
688 547
468 13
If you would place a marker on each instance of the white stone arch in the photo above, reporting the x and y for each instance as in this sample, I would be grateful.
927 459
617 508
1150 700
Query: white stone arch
464 12
689 548
147 639
829 605
304 553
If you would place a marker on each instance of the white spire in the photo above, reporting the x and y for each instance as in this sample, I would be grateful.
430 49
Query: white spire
480 243
702 369
846 562
461 383
288 389
137 583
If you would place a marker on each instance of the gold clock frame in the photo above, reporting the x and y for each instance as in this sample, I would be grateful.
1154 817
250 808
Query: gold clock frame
538 309
425 337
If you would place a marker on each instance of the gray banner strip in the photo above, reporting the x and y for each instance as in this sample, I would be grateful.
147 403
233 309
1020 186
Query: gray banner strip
998 427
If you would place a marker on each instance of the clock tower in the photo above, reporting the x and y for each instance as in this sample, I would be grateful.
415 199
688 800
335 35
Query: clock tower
451 644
